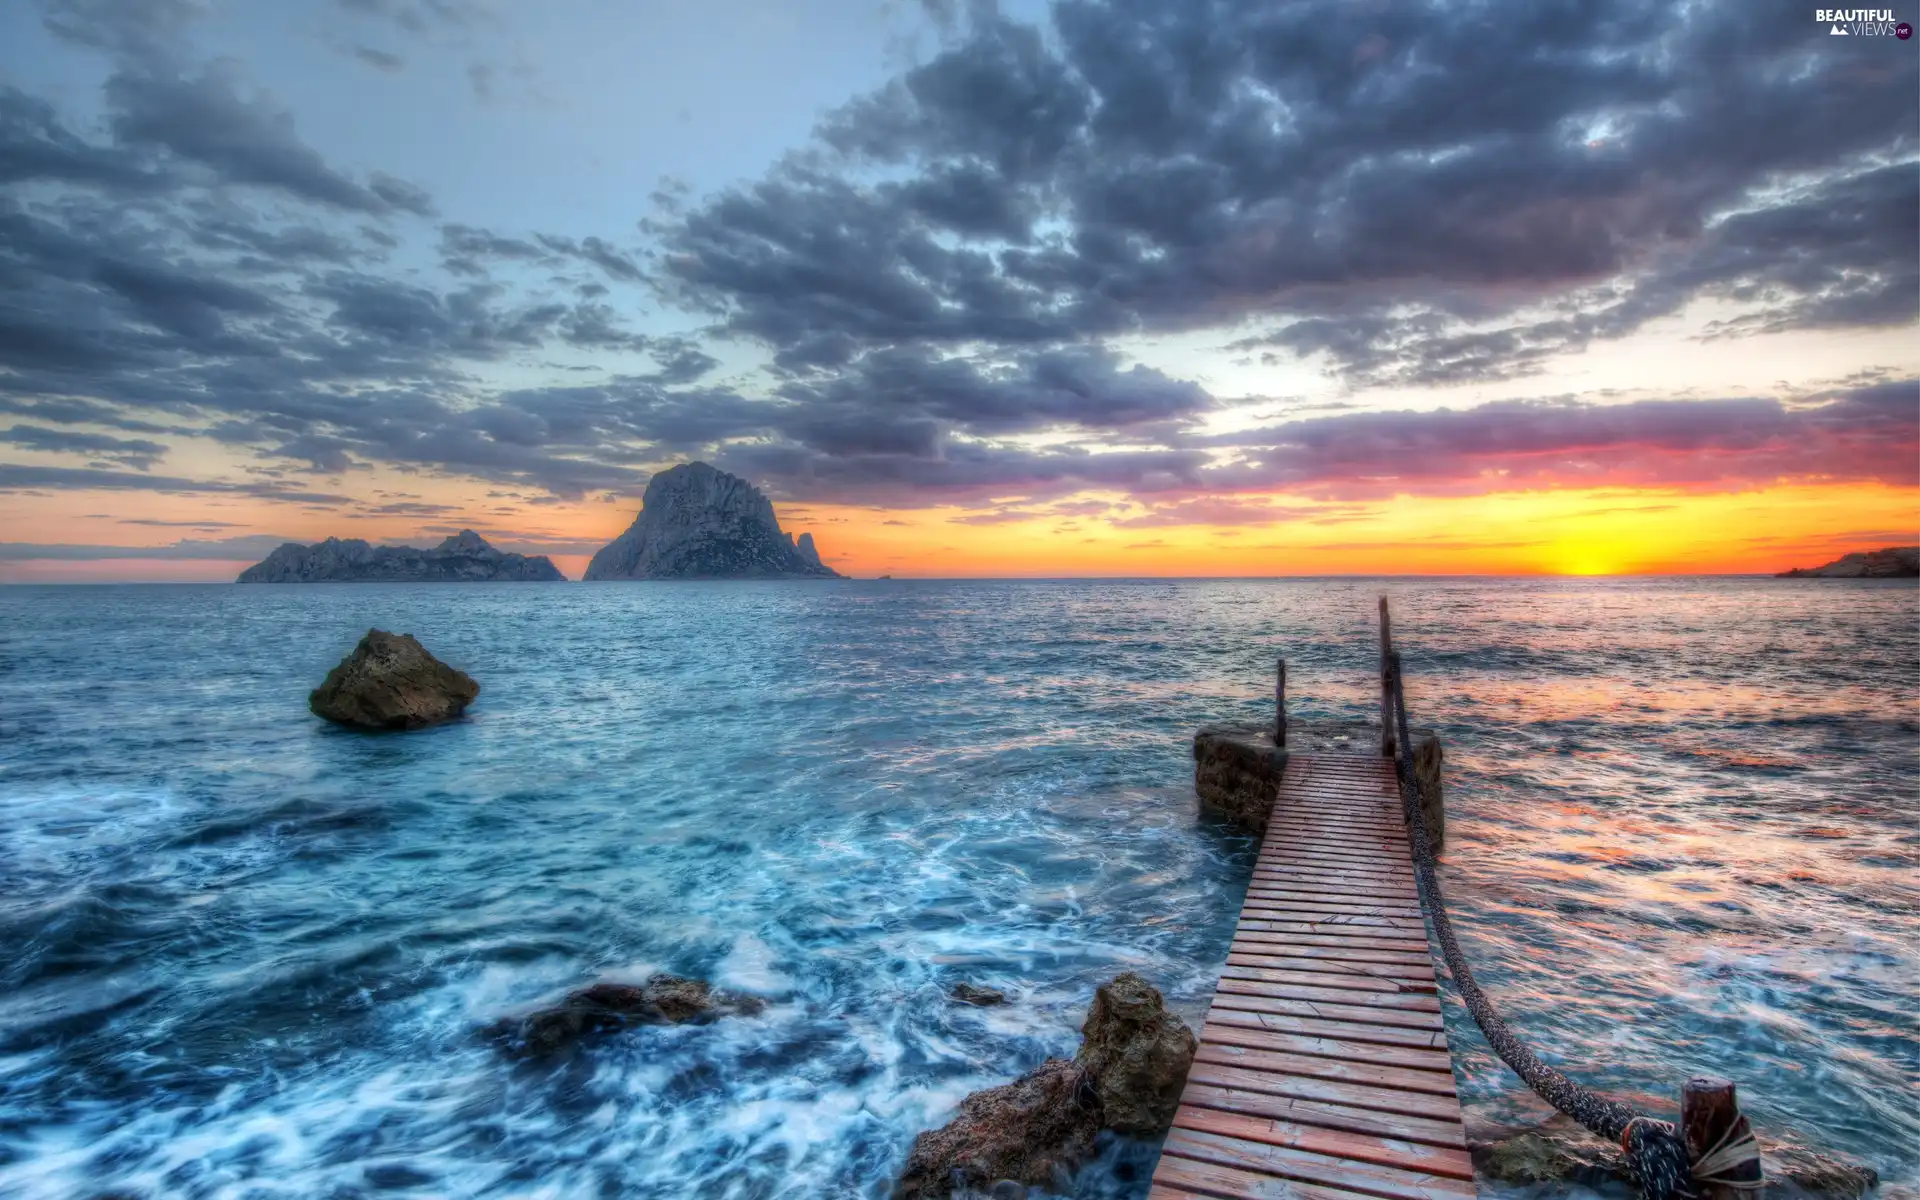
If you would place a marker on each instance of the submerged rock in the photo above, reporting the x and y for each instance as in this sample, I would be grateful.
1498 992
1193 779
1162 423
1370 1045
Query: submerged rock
983 997
698 522
1137 1054
391 682
1560 1150
605 1007
1127 1077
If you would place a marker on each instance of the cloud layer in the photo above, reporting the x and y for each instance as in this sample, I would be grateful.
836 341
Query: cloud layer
940 282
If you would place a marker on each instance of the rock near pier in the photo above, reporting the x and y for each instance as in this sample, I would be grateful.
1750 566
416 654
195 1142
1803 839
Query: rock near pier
1037 1130
1237 768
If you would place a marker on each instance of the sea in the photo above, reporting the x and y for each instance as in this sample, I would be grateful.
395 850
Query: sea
246 954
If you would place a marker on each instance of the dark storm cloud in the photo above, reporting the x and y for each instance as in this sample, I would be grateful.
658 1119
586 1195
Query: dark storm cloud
1844 253
145 29
959 472
245 548
266 248
378 59
15 477
320 375
138 453
1227 510
149 294
681 361
466 250
36 147
1075 387
1392 185
203 118
69 411
1870 433
1417 194
419 16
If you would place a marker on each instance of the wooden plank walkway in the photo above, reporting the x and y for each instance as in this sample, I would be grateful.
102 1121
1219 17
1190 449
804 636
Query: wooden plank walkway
1323 1071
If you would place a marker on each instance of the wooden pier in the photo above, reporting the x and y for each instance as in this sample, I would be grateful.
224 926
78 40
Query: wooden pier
1323 1070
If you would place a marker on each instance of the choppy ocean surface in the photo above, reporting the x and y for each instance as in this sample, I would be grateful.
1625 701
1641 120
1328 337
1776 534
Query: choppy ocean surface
245 954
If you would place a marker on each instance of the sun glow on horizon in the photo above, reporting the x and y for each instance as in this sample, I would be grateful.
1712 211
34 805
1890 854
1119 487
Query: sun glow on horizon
1573 532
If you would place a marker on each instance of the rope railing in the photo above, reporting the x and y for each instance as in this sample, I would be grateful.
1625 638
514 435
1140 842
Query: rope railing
1713 1155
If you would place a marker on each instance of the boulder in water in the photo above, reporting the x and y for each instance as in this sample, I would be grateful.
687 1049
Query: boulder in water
983 997
391 682
606 1007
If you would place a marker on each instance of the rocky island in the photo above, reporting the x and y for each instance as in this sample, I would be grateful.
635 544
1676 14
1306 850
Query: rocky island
463 558
1892 562
698 522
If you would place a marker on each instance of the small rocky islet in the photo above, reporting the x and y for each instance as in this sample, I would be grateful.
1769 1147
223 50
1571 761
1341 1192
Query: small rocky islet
1889 562
466 557
699 522
695 522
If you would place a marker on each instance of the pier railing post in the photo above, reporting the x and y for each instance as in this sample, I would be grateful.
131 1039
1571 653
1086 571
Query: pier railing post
1280 706
1711 1120
1386 683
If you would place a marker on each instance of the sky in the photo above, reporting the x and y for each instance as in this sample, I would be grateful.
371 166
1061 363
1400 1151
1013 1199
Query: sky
1089 288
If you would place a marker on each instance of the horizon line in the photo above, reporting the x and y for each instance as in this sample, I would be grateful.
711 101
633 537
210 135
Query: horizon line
965 579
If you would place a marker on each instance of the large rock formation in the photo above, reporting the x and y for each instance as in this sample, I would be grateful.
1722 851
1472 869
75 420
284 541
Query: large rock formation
1893 562
463 558
607 1007
1127 1077
698 522
391 682
1137 1054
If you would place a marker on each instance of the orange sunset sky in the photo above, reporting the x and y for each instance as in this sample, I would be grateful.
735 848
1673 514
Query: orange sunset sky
1011 291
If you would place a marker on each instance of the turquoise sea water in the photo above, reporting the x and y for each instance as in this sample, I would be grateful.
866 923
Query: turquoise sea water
245 953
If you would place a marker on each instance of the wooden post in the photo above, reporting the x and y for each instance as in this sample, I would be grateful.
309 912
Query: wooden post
1386 684
1708 1114
1280 707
